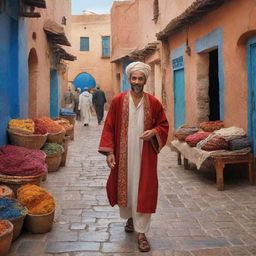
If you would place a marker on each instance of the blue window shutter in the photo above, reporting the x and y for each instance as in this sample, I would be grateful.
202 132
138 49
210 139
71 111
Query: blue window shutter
105 46
84 44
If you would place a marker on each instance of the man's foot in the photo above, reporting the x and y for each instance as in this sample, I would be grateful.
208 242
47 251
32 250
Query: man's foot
85 124
143 244
129 226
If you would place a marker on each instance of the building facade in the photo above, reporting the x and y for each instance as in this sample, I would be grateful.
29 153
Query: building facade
90 39
205 52
49 54
32 66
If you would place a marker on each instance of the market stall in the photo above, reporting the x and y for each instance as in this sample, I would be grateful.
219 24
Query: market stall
221 145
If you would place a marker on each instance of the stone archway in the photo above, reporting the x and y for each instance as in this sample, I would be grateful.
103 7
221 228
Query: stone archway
33 80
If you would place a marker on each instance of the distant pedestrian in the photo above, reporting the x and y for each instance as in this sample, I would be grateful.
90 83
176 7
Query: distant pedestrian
76 103
99 100
85 104
69 99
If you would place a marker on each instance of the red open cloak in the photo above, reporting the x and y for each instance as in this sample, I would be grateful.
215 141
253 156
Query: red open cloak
114 138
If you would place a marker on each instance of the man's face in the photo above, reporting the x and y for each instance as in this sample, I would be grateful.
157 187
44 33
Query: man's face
137 80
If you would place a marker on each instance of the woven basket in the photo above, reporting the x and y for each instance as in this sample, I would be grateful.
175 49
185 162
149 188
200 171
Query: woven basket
6 191
15 182
53 162
71 133
38 224
32 141
71 119
6 238
65 146
56 137
18 221
17 226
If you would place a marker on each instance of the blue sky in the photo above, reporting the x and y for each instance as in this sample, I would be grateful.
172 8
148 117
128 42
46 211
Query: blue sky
97 6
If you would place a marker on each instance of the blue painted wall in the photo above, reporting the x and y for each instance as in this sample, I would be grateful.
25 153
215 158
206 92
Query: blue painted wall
54 94
206 43
251 53
13 67
177 60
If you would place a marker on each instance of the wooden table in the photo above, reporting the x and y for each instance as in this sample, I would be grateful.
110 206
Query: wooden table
221 161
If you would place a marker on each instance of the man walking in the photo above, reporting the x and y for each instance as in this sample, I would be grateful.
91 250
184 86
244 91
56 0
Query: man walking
69 99
85 103
134 132
98 100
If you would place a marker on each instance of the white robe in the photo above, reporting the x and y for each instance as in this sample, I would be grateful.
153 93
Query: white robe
141 221
85 103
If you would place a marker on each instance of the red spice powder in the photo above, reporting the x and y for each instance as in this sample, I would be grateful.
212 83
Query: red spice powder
20 161
39 127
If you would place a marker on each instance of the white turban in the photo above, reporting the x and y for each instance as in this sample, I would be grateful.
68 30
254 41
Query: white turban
138 66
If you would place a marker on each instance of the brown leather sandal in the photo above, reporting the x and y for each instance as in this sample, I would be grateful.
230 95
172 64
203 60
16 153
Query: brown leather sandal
129 226
143 244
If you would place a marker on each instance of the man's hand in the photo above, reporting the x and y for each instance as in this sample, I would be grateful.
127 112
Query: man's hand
111 160
147 135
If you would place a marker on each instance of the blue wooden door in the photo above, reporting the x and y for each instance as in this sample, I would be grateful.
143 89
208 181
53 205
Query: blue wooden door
54 94
251 92
179 98
125 83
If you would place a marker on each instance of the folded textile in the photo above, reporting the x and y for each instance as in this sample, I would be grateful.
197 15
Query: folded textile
239 143
193 139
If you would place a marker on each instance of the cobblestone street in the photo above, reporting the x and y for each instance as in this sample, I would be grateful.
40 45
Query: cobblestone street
192 219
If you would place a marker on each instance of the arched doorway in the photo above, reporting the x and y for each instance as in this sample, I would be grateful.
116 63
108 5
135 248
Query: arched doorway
33 77
84 80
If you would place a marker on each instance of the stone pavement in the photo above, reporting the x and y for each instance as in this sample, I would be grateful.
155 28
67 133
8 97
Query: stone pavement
192 219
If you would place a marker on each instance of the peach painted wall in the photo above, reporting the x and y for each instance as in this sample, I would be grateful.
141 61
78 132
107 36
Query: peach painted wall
55 10
93 26
229 18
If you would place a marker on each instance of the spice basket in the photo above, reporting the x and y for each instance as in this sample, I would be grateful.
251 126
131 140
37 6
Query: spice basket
53 162
31 141
71 133
38 224
56 137
6 238
71 119
14 182
6 191
18 221
65 146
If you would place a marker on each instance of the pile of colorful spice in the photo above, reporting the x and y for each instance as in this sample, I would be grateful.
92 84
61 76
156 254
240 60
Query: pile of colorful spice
52 149
5 191
36 199
11 208
26 125
4 226
49 125
20 161
65 124
39 127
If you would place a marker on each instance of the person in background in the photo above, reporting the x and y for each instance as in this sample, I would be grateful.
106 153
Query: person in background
134 132
69 99
85 103
99 100
76 103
